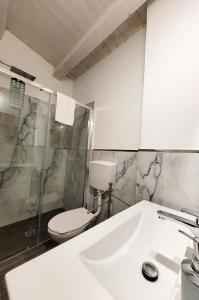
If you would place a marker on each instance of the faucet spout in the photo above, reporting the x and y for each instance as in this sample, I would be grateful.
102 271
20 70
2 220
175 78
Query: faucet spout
193 225
165 215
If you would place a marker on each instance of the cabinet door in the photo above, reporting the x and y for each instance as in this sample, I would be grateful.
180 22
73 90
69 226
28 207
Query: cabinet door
171 87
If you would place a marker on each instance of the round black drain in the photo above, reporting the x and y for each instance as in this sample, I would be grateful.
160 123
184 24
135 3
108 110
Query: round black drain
149 271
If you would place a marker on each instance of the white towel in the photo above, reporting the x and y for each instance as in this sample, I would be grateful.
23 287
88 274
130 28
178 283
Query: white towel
65 109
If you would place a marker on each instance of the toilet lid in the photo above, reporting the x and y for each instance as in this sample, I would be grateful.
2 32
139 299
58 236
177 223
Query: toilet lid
70 220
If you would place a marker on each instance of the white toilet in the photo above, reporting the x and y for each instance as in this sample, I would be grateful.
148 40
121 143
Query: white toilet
73 222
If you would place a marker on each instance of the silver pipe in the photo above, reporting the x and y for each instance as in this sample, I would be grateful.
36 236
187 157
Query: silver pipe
121 200
90 211
108 201
100 194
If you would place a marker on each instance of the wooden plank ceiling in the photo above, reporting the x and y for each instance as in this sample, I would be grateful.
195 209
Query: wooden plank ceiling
113 41
53 28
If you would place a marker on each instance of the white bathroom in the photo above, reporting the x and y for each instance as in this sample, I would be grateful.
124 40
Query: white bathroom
99 149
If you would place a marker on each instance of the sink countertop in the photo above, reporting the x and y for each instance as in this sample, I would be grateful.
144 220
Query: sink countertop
60 273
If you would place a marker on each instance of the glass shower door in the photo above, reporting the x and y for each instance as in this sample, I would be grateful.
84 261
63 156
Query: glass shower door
23 127
43 164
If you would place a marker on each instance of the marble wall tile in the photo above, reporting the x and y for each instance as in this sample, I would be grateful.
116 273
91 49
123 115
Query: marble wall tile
75 179
76 163
21 157
80 128
169 179
20 184
74 140
9 119
60 135
149 175
125 185
54 179
14 194
70 137
33 124
180 176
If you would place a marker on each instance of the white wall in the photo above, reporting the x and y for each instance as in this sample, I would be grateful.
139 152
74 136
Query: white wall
116 86
16 53
171 90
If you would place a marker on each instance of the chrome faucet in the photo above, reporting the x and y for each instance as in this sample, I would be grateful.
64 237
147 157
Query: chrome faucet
193 225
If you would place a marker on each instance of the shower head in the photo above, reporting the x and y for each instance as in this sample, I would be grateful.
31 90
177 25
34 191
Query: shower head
22 73
18 71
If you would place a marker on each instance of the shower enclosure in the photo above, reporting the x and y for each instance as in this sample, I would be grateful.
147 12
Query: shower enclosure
42 164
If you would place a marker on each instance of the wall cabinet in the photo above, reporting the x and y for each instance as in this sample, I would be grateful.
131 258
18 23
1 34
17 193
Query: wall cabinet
170 118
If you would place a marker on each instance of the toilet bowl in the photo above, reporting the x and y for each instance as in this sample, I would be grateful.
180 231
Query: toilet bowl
69 224
73 222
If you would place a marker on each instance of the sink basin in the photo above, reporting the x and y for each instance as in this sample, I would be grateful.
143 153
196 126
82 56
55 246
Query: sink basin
116 260
114 242
104 263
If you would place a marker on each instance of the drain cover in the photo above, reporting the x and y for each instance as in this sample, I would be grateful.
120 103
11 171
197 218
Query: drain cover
30 233
149 271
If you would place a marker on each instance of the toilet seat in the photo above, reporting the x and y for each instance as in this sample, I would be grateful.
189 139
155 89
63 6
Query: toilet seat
69 221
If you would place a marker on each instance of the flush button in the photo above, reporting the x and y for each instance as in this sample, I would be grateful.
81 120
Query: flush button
149 271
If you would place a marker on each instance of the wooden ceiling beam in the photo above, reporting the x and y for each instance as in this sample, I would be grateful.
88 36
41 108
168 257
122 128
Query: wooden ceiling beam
104 26
4 8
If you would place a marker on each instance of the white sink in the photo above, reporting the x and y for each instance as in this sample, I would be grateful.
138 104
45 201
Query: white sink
116 260
105 262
